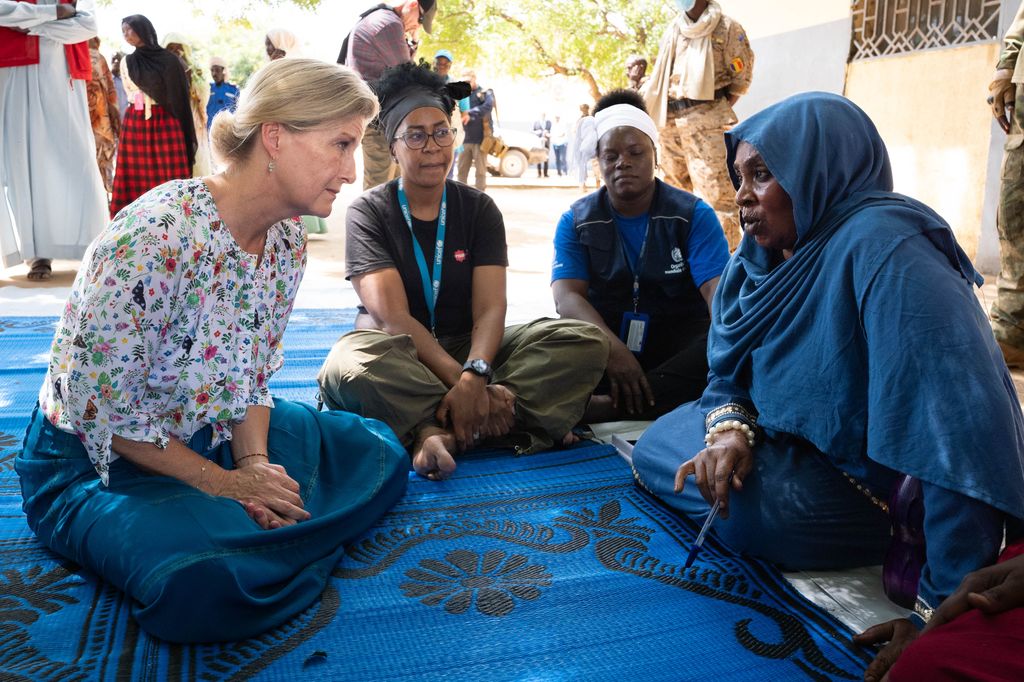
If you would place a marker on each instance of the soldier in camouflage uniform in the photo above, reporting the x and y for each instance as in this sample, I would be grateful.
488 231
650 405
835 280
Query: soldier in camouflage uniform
704 64
1007 101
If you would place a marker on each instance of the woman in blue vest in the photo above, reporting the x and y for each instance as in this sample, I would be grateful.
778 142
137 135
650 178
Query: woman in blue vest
848 351
641 260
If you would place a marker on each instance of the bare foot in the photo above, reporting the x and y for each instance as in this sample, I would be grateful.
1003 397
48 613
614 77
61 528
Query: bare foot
570 439
502 412
600 409
433 453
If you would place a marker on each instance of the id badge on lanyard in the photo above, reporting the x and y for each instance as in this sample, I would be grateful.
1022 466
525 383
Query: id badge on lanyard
633 330
431 281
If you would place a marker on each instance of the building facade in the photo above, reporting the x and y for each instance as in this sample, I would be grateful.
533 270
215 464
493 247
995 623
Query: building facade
920 69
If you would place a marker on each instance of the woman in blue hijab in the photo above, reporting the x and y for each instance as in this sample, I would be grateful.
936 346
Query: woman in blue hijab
847 351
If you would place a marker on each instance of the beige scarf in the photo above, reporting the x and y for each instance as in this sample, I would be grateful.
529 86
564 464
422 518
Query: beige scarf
696 73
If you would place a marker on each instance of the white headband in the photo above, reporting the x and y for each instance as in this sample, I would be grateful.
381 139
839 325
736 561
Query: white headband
626 115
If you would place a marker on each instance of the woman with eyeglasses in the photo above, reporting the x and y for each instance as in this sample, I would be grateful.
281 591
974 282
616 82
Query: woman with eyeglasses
431 355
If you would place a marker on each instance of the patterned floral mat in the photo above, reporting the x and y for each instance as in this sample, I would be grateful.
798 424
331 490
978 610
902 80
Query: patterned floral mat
553 566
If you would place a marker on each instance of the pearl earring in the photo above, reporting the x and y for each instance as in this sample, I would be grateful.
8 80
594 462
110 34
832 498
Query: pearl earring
270 167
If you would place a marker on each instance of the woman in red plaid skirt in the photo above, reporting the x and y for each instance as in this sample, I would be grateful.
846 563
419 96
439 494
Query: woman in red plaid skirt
158 137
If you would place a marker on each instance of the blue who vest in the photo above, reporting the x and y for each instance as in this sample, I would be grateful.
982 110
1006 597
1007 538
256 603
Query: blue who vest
667 289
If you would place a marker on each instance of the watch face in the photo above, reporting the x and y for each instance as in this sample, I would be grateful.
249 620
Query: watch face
479 366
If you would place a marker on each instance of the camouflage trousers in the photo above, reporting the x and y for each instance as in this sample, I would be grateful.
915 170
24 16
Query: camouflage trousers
1007 312
692 157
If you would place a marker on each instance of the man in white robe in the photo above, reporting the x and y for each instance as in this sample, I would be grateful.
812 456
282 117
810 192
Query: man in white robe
52 202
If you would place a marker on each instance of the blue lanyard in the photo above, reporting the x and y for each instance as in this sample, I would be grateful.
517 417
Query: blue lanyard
431 281
639 264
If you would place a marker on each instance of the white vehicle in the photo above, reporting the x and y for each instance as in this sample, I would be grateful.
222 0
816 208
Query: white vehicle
524 150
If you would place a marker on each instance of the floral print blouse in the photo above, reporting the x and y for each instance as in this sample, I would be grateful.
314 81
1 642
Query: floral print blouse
170 325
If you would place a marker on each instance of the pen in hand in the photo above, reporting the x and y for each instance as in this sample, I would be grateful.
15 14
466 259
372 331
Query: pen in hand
699 542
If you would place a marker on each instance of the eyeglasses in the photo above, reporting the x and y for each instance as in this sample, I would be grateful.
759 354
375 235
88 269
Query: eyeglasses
417 139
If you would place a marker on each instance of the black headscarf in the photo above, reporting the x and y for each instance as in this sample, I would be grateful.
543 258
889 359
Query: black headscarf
406 87
162 76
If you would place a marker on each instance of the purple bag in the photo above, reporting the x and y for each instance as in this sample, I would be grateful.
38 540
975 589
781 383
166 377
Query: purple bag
901 570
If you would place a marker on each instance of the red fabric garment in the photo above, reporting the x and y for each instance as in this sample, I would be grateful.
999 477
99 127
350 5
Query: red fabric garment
21 49
973 647
149 154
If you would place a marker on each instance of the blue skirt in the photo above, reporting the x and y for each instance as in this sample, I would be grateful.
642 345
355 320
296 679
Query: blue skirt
197 568
796 508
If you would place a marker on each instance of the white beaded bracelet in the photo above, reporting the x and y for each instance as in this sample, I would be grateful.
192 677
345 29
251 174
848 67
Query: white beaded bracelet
730 425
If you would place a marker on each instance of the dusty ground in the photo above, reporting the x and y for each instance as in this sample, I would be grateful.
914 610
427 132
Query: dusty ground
531 207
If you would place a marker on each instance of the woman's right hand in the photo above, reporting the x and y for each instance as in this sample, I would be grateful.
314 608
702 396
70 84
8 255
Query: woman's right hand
268 493
991 590
627 383
711 468
465 409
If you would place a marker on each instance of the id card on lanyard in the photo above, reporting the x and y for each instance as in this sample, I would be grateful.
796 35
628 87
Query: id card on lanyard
431 279
633 330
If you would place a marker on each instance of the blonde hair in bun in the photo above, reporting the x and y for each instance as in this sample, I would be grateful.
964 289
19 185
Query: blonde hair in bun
300 94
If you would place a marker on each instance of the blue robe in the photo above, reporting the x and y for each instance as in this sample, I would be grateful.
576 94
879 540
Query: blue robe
195 566
866 352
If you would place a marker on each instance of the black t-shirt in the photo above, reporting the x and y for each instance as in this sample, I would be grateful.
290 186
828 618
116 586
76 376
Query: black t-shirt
377 237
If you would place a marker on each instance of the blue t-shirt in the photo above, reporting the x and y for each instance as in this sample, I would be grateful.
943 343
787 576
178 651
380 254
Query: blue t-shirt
707 249
223 96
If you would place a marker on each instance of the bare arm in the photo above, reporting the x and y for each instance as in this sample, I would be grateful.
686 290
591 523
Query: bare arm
466 407
571 302
265 490
249 438
489 307
707 291
626 379
383 295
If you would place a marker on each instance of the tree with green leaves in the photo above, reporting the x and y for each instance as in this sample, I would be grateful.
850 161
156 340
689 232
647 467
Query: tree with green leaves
588 39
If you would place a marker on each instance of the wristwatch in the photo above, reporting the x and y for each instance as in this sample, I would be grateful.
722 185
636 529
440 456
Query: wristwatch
480 367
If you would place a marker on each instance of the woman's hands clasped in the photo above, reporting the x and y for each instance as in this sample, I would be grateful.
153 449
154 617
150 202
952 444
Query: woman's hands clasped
268 493
464 409
474 411
712 467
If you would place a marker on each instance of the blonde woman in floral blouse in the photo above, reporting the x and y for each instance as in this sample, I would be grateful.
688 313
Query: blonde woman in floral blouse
157 457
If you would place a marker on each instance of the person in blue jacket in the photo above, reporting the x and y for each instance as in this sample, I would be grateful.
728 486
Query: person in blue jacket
641 260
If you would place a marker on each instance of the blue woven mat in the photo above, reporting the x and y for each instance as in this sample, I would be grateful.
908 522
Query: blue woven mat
546 567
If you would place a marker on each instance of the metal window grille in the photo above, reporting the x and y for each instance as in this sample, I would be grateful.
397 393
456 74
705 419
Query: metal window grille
889 27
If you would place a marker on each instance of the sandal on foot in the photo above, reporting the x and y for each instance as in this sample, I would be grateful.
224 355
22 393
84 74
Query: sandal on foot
40 270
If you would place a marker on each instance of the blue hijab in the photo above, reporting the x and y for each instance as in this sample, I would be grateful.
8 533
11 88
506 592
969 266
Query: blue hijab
829 349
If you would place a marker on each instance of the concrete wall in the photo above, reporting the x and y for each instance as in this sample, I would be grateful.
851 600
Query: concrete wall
798 46
930 110
929 107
